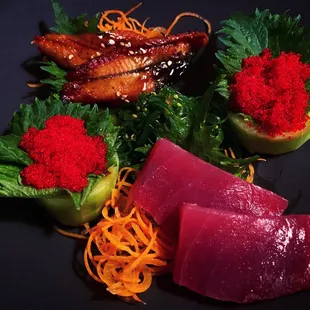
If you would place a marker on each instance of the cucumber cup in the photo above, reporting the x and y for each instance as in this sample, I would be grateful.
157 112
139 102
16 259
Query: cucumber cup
62 207
256 141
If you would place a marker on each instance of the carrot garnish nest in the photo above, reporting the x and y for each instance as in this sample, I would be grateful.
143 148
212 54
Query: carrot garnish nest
124 22
126 248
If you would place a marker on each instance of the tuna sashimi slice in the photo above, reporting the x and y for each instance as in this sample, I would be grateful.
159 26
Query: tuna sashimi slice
172 176
242 258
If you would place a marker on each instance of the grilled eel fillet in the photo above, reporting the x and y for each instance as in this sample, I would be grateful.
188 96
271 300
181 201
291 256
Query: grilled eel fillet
119 65
70 51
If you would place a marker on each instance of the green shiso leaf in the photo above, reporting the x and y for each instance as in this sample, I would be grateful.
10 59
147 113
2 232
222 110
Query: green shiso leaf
57 76
11 187
10 152
67 25
245 35
97 122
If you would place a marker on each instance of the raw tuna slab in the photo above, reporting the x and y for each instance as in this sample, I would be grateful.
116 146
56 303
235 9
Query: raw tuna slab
172 176
241 258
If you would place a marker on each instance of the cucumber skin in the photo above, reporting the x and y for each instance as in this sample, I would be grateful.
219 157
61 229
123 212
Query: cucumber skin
62 208
261 143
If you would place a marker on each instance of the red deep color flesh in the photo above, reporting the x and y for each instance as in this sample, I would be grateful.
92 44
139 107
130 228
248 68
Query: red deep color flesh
63 154
272 91
242 258
172 176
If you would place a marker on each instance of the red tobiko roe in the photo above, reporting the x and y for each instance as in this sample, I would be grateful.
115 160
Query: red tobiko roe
63 154
272 91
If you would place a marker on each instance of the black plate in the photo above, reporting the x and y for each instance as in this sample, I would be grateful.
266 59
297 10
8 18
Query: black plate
39 268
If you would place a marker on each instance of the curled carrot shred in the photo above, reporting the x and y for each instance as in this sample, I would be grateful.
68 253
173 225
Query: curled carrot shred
35 85
250 177
178 17
69 234
126 249
124 22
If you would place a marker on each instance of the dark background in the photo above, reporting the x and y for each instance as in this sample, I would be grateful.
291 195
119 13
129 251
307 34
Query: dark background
39 269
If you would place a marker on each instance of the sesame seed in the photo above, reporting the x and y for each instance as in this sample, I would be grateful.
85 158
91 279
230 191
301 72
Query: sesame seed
111 42
102 45
100 37
70 56
128 44
126 100
131 52
171 72
169 63
98 54
134 115
122 44
117 37
32 42
144 87
118 94
142 50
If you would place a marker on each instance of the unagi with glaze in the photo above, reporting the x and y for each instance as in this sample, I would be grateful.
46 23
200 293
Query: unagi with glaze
107 65
125 87
121 61
138 57
70 51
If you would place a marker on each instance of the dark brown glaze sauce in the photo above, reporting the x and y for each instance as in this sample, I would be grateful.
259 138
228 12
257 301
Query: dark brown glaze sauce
125 87
124 60
71 51
118 66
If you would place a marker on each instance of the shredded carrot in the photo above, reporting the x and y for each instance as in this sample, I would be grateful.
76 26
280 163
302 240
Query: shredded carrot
133 8
188 14
69 234
232 154
35 85
126 249
143 28
250 177
123 22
